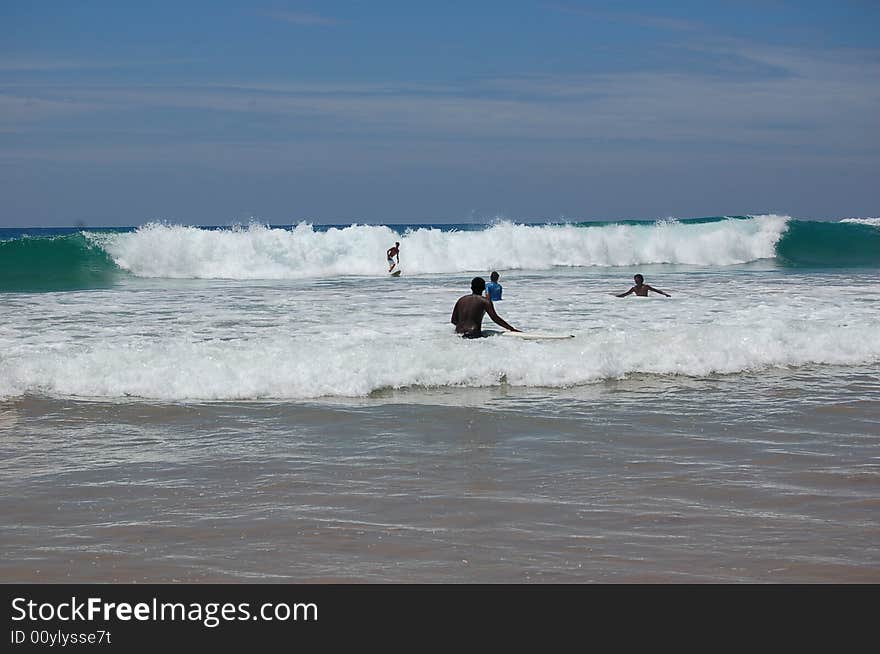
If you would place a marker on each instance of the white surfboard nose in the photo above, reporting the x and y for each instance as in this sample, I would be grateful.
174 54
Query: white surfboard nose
537 336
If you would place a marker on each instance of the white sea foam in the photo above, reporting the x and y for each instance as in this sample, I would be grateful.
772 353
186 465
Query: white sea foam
258 252
875 222
358 365
349 338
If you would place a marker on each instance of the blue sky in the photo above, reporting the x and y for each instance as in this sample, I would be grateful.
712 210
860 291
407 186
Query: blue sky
216 112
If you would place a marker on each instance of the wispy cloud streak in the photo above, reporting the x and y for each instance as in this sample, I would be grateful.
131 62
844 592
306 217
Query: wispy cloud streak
301 18
642 19
821 104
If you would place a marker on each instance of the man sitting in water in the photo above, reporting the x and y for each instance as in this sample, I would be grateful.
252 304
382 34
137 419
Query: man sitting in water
641 289
393 252
467 316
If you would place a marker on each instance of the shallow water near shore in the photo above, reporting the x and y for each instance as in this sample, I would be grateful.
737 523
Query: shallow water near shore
718 480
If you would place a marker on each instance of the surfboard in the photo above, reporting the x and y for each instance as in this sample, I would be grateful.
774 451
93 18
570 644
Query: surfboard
537 336
528 336
396 273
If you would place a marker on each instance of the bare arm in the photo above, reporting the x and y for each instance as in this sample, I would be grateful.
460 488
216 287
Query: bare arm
657 290
628 292
454 319
490 309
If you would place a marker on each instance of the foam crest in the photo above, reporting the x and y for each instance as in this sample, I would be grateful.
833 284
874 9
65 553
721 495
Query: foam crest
874 222
259 252
363 361
254 252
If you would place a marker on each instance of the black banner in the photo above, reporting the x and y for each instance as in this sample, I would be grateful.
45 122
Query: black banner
157 616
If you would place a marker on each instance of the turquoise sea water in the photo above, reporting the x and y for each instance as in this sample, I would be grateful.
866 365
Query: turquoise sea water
70 258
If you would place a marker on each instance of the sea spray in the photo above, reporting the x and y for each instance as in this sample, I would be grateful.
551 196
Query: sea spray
258 252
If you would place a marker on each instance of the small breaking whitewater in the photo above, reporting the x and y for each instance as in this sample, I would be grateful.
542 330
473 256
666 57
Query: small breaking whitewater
873 222
179 369
354 338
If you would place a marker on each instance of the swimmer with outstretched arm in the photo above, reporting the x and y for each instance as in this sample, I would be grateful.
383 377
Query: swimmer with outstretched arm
467 315
641 288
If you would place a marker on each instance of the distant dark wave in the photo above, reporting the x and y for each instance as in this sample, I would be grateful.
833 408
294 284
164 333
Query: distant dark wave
834 245
54 263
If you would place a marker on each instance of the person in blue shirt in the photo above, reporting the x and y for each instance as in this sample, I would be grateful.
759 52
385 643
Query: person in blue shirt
493 288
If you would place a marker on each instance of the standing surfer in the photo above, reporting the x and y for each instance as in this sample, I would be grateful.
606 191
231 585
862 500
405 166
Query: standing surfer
393 252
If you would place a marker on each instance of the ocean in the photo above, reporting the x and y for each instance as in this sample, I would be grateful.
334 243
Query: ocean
264 403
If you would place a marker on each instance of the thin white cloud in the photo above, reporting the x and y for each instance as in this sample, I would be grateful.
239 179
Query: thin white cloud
301 18
823 104
645 20
18 109
43 65
36 64
339 155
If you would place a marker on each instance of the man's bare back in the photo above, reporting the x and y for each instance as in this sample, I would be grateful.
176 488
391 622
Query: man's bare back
467 315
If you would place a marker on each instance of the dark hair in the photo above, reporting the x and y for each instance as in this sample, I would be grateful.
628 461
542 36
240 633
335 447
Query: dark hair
494 276
638 278
478 285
